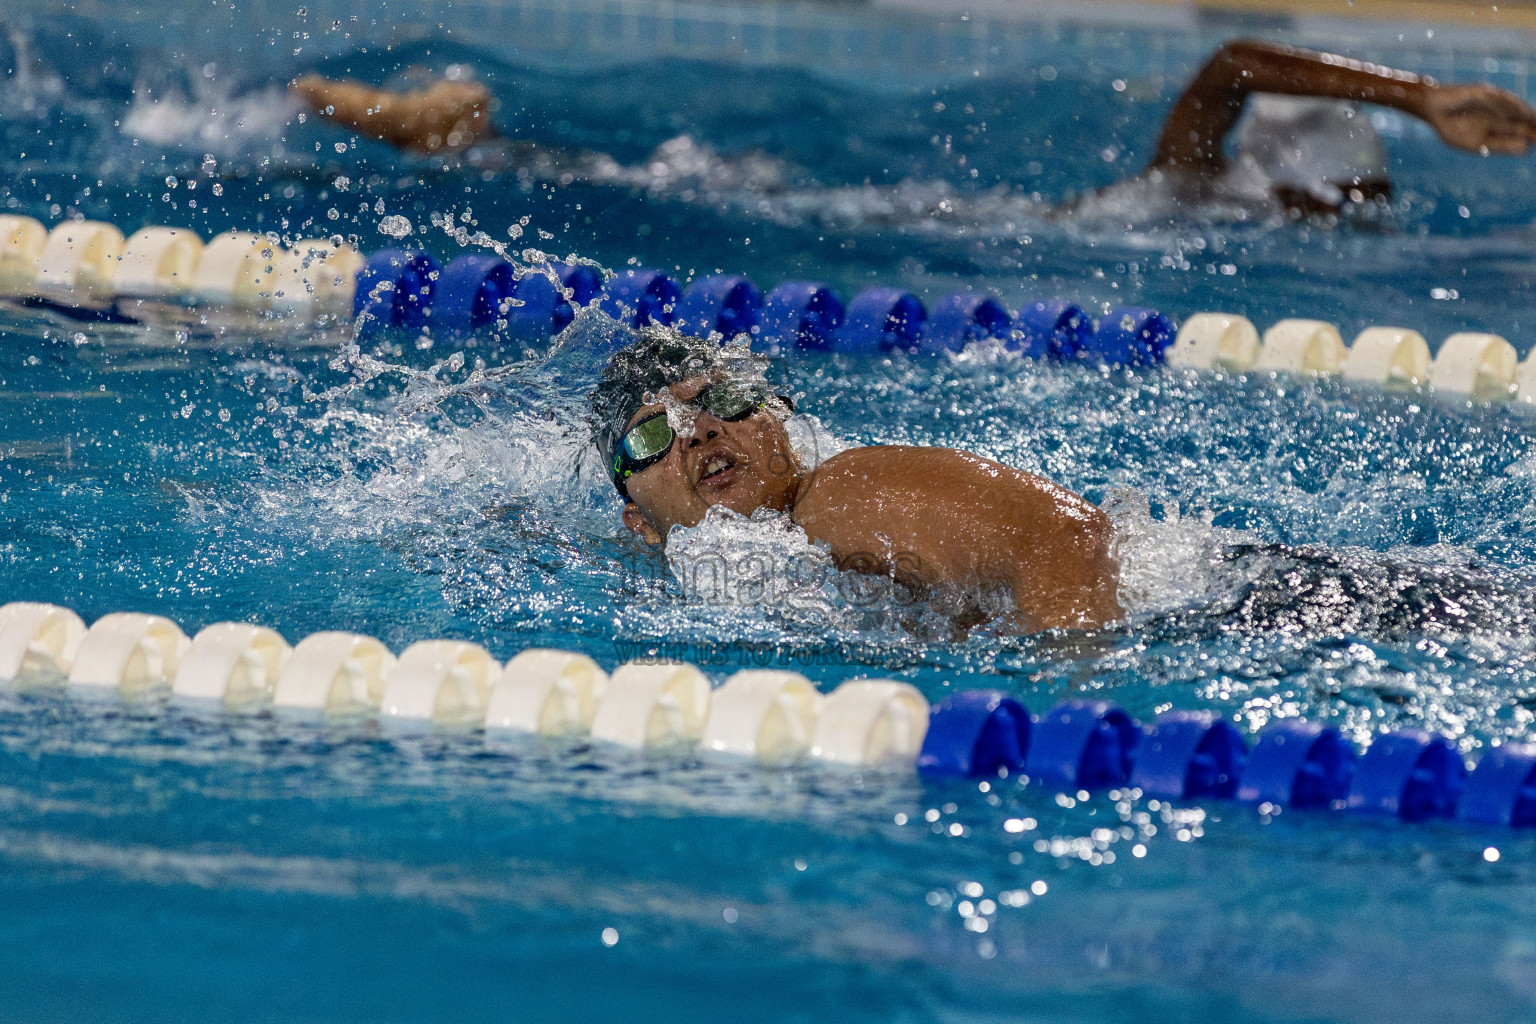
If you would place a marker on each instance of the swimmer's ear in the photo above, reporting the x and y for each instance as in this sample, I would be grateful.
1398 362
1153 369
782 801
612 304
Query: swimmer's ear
639 525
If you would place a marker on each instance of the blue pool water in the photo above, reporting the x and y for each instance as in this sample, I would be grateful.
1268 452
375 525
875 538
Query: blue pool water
164 863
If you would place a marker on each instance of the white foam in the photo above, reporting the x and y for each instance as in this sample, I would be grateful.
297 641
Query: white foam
762 562
682 164
1164 565
810 441
213 118
32 87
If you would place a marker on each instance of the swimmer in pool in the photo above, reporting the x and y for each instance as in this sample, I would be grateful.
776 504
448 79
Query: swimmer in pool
1303 143
447 117
682 426
1312 152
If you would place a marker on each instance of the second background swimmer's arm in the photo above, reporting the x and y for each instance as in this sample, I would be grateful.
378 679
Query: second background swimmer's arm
1471 117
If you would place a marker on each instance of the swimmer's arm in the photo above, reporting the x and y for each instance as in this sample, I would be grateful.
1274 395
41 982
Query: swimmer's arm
446 116
1474 117
951 518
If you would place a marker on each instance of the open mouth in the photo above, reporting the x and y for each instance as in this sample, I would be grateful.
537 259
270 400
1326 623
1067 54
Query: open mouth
715 467
718 470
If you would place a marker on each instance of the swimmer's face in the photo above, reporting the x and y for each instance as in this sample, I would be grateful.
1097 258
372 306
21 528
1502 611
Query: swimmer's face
742 465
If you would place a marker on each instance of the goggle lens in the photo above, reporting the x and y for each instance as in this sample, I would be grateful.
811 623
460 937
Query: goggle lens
733 401
649 438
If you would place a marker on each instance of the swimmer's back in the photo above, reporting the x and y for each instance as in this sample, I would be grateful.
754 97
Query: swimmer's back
955 519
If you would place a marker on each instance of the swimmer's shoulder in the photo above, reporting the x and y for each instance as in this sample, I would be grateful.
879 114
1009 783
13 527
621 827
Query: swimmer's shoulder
879 474
881 481
907 464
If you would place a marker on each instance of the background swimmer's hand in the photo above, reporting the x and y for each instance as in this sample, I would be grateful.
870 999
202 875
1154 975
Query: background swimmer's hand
1481 118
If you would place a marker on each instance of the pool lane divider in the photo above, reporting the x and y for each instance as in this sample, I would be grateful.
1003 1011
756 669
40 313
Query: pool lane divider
775 718
1476 364
88 270
404 290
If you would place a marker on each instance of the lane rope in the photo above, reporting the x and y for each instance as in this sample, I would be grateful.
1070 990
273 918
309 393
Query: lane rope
87 269
775 718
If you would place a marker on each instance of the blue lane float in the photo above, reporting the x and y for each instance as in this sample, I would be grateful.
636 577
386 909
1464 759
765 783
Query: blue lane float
1298 764
641 298
1083 745
962 318
1195 755
881 319
1408 774
1190 755
582 282
801 315
1502 788
395 288
729 305
975 733
1131 337
1052 330
473 291
542 309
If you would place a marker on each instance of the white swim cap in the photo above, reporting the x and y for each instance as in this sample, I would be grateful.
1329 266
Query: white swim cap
1315 145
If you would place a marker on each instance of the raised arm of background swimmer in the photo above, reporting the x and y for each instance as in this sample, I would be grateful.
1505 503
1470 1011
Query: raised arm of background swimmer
951 518
447 116
1475 117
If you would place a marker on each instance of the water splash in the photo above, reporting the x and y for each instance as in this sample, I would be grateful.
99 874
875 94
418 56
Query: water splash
214 116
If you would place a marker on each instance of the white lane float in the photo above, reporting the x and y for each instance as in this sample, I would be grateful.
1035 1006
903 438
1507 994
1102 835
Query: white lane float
129 651
444 681
158 263
315 276
1215 341
1525 379
78 263
1305 347
1475 364
871 721
1388 356
651 707
235 663
22 240
38 641
766 715
549 693
335 673
236 269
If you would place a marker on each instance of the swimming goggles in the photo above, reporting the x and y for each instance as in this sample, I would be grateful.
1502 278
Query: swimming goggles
648 442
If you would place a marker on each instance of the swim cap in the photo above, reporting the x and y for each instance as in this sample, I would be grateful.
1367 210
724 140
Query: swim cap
1318 146
639 372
